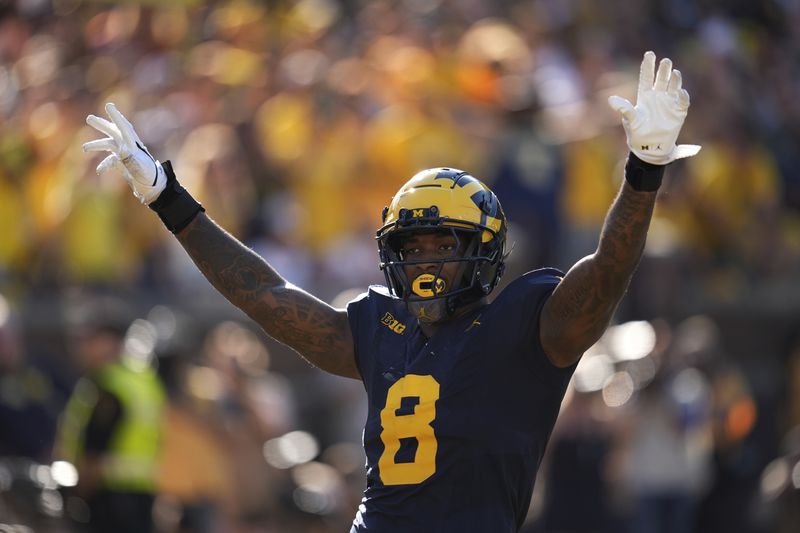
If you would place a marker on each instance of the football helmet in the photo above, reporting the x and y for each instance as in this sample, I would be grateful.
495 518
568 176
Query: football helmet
451 201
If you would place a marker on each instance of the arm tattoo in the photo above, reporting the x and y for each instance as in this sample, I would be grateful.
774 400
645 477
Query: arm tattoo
582 305
320 333
624 234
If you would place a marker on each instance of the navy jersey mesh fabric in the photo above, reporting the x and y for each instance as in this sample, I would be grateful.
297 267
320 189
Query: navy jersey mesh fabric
457 424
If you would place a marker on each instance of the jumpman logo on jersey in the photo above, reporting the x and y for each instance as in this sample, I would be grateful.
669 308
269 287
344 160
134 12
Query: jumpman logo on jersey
475 323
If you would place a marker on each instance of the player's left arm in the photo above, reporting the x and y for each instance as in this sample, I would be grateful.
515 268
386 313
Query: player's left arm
583 303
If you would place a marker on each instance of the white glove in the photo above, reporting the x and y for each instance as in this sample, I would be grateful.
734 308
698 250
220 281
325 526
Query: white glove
143 173
653 125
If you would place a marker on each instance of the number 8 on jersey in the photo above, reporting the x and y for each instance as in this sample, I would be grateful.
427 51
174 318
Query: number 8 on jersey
416 425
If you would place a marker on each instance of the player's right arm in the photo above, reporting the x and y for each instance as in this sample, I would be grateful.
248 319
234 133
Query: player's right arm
317 331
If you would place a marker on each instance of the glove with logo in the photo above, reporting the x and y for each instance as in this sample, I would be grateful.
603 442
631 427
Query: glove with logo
153 184
653 124
143 173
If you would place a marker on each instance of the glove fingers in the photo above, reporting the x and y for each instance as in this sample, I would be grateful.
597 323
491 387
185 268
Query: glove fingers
675 83
647 72
663 74
107 164
104 126
113 162
623 106
100 145
683 100
125 127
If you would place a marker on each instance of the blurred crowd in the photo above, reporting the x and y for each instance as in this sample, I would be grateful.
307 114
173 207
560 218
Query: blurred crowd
294 122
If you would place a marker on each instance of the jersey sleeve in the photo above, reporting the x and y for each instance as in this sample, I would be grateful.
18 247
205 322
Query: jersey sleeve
368 315
364 313
529 296
356 311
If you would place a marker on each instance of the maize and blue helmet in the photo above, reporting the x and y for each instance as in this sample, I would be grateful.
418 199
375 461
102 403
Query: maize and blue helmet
444 200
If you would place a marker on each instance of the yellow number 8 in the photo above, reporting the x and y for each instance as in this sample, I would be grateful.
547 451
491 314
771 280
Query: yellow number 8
415 425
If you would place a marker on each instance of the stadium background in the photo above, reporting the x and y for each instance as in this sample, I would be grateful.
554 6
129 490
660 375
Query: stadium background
294 122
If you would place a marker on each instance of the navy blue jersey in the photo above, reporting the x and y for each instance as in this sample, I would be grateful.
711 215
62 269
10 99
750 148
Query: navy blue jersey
457 424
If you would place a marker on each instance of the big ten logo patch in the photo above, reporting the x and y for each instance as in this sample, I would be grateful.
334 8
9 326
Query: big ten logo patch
393 324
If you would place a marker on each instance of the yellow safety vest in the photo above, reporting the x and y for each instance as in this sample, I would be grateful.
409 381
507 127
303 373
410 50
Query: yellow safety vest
131 460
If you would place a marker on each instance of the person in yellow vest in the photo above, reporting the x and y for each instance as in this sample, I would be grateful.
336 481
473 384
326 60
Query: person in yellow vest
111 427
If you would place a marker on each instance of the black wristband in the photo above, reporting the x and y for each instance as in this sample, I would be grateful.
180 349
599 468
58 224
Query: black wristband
175 206
643 176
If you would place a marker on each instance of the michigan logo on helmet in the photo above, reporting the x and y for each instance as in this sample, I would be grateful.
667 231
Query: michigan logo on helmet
451 201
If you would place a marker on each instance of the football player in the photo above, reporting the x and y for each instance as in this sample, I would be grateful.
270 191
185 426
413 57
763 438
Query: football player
462 393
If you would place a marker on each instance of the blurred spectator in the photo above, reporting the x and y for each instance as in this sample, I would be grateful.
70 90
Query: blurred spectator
668 438
779 500
529 173
111 427
247 406
30 401
733 193
576 475
739 445
194 477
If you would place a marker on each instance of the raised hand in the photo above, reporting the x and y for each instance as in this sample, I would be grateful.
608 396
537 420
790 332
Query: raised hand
141 170
653 124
